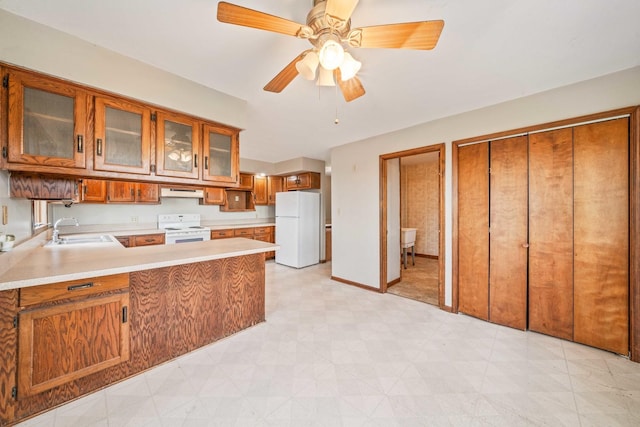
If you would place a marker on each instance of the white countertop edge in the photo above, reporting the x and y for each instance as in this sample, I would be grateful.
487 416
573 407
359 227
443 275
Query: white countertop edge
171 258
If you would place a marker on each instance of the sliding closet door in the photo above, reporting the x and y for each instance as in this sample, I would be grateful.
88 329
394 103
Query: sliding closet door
508 232
473 230
551 233
601 235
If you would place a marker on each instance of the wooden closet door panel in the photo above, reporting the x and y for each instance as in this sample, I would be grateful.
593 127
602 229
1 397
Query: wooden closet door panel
473 230
601 235
551 233
508 232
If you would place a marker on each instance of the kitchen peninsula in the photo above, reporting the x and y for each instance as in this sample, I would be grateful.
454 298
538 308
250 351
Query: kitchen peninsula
76 319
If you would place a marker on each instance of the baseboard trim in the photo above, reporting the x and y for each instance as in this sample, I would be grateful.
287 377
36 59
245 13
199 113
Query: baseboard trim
426 256
393 282
356 284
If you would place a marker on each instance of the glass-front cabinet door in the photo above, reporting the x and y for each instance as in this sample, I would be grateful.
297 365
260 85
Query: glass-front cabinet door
122 137
177 145
47 122
220 155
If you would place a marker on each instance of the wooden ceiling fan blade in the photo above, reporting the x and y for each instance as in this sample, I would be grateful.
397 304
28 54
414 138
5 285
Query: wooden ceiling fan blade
351 89
421 35
341 9
286 76
238 15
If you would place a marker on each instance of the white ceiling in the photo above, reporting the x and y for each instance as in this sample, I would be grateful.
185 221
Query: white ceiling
489 51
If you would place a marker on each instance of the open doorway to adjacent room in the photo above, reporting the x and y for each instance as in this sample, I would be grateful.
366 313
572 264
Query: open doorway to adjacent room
412 217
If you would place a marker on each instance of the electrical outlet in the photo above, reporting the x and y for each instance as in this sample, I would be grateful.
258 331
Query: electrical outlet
134 219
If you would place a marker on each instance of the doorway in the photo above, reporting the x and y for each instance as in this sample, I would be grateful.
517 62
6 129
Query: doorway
412 197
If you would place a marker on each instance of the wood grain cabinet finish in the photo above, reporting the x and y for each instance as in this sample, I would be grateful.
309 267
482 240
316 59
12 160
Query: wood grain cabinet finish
122 140
303 181
260 190
148 239
59 127
275 185
93 191
220 155
245 182
81 335
36 186
132 192
47 122
222 234
177 145
213 196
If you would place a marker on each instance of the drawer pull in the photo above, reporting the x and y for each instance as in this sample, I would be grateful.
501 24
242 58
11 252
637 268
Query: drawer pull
82 286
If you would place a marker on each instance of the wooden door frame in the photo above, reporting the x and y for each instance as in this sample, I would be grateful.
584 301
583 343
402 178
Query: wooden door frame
437 148
634 206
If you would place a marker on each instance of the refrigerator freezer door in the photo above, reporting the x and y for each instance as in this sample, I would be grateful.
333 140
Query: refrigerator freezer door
288 204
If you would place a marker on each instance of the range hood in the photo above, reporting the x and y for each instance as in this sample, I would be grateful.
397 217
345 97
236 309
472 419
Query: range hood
185 193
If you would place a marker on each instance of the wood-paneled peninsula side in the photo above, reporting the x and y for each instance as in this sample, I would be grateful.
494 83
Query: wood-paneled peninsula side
172 302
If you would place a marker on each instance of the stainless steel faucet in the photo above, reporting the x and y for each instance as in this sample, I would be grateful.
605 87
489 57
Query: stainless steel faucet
56 232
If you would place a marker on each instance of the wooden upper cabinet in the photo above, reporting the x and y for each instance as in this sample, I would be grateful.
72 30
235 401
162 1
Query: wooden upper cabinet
177 145
274 185
132 192
220 155
47 122
122 136
93 191
260 190
303 181
245 182
213 196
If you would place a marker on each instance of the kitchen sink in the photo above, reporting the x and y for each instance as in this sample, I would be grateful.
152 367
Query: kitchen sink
80 239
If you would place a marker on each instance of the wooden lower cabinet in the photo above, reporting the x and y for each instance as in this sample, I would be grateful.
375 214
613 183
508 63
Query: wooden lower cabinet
265 234
80 334
171 311
141 240
567 273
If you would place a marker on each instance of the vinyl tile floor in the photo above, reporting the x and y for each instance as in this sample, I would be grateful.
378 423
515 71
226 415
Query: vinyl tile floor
330 354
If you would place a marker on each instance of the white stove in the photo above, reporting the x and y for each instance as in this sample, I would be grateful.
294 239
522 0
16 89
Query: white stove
183 228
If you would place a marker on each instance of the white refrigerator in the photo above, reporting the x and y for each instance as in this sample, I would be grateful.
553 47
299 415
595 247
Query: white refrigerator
298 228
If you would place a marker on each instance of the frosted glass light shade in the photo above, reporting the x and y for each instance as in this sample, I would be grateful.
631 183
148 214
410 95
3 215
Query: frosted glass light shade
331 55
325 77
349 67
307 66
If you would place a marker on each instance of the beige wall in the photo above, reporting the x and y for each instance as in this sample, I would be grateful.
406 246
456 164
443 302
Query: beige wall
355 197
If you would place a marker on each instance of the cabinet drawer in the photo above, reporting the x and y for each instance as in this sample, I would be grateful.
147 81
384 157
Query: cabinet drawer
124 240
149 239
263 230
263 238
243 232
222 234
72 289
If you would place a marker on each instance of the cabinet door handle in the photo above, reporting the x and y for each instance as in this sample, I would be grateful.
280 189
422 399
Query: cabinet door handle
80 146
131 192
125 314
206 162
99 147
82 286
195 161
139 193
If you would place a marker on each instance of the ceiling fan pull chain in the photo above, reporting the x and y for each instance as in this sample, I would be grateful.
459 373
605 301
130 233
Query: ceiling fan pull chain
337 120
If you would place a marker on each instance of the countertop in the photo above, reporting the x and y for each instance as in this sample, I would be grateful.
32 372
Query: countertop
33 264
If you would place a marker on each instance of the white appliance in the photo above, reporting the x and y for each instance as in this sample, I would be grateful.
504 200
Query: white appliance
182 228
298 228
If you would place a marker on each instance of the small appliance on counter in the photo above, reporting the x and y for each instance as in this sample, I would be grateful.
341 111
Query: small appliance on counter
182 228
298 228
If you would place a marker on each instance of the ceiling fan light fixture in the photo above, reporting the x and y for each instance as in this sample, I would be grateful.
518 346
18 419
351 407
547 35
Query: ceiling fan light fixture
308 65
325 77
349 67
331 55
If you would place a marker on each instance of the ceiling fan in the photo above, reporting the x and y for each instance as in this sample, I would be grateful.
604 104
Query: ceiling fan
328 29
